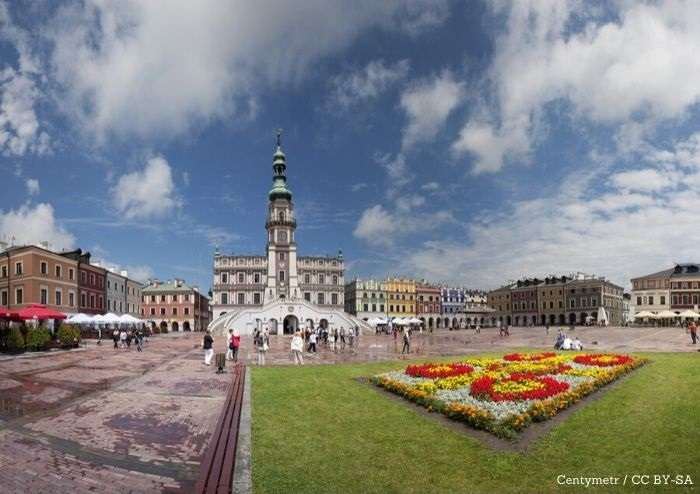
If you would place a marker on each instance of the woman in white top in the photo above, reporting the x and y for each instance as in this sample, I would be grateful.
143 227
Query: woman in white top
297 348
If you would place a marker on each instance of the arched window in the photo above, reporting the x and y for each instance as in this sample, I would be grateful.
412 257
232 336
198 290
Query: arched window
281 215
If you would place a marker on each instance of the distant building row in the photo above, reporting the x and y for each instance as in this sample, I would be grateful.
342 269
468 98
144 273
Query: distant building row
71 283
675 289
437 306
574 299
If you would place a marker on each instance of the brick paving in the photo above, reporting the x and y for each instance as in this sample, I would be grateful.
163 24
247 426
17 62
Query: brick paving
104 420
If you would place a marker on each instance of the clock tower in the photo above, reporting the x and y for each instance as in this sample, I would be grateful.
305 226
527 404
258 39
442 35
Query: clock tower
282 280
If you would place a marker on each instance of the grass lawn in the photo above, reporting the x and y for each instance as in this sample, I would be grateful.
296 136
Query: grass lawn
315 429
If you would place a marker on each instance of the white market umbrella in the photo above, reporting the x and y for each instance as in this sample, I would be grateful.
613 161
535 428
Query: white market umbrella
399 321
129 319
79 318
415 320
602 316
689 314
644 314
666 314
111 318
98 319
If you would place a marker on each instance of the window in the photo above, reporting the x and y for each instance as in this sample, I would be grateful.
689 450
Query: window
224 298
307 296
334 299
663 300
174 311
391 308
685 299
162 311
187 311
651 300
58 297
321 279
44 296
256 277
695 299
100 302
58 271
572 303
3 272
92 301
241 278
83 300
3 298
92 279
241 298
153 311
71 274
18 268
374 307
162 298
307 279
281 216
381 308
44 267
639 300
83 277
224 278
19 296
281 275
256 298
321 299
281 256
594 301
675 300
335 279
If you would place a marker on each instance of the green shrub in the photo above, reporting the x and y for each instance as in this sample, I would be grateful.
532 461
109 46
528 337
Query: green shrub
15 340
38 338
68 335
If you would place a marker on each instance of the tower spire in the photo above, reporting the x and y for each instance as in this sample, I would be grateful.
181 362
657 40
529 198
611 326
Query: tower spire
279 167
279 138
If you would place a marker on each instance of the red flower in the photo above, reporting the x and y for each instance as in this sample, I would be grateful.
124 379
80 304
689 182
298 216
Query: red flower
435 371
537 388
603 360
529 357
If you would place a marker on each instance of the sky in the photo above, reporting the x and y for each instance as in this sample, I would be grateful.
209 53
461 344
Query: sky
469 143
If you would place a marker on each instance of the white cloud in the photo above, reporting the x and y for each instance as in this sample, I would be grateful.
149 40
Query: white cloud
613 224
190 62
647 180
186 178
430 186
359 186
33 225
32 185
19 126
381 227
631 72
427 104
146 193
349 89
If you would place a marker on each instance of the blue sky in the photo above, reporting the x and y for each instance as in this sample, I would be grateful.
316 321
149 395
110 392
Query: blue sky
465 142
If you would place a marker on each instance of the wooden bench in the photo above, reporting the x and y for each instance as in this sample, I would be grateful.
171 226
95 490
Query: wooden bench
216 472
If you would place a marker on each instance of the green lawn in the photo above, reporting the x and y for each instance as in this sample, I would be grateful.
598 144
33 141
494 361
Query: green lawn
315 429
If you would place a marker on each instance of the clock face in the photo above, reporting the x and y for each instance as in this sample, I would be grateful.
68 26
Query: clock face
282 235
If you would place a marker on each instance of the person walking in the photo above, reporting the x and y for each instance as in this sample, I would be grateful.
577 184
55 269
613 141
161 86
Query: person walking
331 341
139 339
115 337
297 347
342 338
129 337
229 350
312 342
122 338
263 345
693 332
236 341
406 341
208 347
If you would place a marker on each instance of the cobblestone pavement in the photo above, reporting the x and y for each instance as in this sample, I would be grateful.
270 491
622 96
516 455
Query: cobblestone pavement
105 420
445 343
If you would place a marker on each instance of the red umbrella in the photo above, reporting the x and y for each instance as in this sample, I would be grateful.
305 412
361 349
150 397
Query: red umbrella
8 314
40 312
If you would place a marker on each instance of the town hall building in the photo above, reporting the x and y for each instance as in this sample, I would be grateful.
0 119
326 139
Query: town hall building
280 290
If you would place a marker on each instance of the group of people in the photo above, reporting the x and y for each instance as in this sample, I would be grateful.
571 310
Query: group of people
564 342
503 331
335 339
123 338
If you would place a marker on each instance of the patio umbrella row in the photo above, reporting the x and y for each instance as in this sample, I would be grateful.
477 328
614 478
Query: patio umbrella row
667 314
397 320
33 312
106 319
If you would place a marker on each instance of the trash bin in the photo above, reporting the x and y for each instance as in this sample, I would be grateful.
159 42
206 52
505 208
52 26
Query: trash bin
220 362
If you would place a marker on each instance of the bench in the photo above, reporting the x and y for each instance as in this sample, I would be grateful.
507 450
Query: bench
216 473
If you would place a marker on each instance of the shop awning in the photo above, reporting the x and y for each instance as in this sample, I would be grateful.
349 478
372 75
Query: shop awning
39 312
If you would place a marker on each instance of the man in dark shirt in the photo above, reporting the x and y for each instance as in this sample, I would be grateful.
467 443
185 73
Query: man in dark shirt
208 346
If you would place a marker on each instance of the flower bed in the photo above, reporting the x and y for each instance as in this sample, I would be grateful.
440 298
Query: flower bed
503 396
